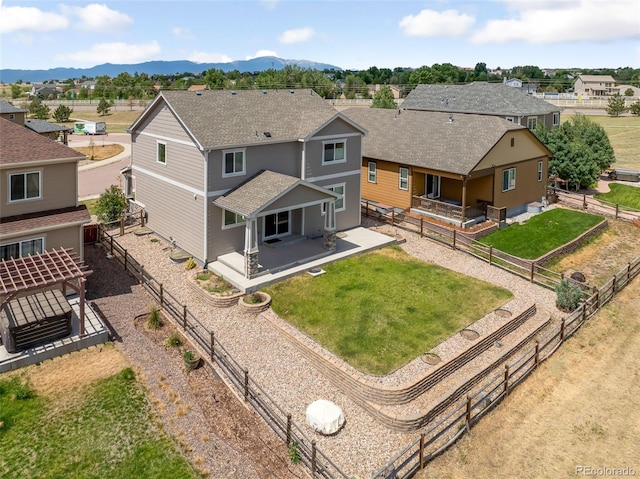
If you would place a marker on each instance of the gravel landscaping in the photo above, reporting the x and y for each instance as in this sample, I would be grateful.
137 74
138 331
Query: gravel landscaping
361 447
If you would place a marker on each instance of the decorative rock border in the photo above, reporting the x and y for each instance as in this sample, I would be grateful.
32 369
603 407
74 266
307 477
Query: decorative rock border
469 334
255 307
219 300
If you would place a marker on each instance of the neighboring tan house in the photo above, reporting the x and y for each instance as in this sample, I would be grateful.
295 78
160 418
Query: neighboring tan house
449 166
221 171
198 88
595 85
12 113
483 98
39 200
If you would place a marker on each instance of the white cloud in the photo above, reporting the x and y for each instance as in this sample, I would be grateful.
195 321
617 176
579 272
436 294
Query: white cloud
574 21
298 35
118 52
205 57
430 23
183 33
98 18
262 53
13 19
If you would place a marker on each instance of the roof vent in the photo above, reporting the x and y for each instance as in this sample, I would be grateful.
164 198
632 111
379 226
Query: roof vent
264 92
450 119
233 92
198 93
267 134
292 91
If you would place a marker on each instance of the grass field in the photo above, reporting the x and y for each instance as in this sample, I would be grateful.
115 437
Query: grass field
82 420
100 152
623 195
117 120
579 409
380 310
542 233
624 135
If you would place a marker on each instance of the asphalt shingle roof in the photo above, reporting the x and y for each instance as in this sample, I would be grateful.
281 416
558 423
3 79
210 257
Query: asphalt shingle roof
428 139
220 118
6 107
478 97
41 126
20 145
44 219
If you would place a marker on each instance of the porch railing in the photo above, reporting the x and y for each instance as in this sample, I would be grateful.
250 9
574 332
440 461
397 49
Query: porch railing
448 210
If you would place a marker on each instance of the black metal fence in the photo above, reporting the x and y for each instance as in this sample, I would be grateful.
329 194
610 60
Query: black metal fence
215 354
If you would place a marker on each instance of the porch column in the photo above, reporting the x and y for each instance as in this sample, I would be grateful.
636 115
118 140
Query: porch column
464 200
329 236
251 265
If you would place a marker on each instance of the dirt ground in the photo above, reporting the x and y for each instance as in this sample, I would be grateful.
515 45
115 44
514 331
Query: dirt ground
578 414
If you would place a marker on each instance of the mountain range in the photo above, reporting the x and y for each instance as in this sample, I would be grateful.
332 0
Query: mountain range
156 68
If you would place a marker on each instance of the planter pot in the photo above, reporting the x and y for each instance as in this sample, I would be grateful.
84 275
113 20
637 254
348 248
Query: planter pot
194 363
255 306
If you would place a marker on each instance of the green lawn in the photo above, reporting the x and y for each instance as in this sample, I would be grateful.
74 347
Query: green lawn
380 310
542 233
106 432
623 195
92 205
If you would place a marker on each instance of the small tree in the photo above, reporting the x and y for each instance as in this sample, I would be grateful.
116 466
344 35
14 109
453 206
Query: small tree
568 295
62 113
383 98
103 107
635 108
628 92
616 105
111 204
38 110
16 91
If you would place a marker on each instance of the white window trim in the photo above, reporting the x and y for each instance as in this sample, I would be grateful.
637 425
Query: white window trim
556 118
244 162
333 142
540 170
533 119
344 195
400 178
25 173
19 243
277 235
232 225
512 181
374 172
12 116
164 143
510 118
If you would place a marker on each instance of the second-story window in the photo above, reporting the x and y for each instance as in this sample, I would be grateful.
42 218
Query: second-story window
24 186
233 163
334 152
161 156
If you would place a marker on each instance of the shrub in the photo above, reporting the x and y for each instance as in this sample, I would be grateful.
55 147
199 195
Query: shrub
127 374
294 452
188 355
190 264
253 298
173 341
154 319
568 295
111 204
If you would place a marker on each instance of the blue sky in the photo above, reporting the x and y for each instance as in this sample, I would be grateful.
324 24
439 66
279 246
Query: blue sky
349 34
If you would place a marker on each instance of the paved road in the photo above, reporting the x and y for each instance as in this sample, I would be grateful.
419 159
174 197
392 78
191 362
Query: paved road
94 179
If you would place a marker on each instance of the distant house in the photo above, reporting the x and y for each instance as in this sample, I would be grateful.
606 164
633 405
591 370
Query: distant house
224 172
482 98
52 131
39 200
526 87
449 166
395 90
44 91
12 113
595 85
198 88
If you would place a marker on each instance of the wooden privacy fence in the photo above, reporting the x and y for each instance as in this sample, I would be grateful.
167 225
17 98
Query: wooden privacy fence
468 411
215 354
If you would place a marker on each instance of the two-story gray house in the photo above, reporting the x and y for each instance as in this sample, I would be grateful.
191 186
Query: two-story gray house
483 98
219 172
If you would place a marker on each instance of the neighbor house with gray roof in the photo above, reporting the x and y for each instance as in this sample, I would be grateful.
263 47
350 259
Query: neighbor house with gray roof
39 204
449 166
225 172
483 98
10 112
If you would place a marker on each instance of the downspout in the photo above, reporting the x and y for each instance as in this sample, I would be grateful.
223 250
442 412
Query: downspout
464 200
303 165
206 208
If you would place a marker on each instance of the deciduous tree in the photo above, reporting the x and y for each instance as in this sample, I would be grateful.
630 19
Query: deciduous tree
383 98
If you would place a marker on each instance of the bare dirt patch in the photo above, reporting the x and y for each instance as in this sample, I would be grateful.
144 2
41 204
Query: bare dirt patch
605 255
100 152
578 409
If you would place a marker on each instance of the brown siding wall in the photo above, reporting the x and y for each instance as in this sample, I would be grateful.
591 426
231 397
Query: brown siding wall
386 189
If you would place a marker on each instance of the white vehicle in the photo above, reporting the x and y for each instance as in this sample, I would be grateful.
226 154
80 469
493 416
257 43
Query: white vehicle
90 127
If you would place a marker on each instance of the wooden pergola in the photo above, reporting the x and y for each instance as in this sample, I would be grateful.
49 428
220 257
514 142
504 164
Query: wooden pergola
39 271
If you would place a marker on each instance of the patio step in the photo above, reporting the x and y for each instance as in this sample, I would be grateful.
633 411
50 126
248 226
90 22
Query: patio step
387 403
